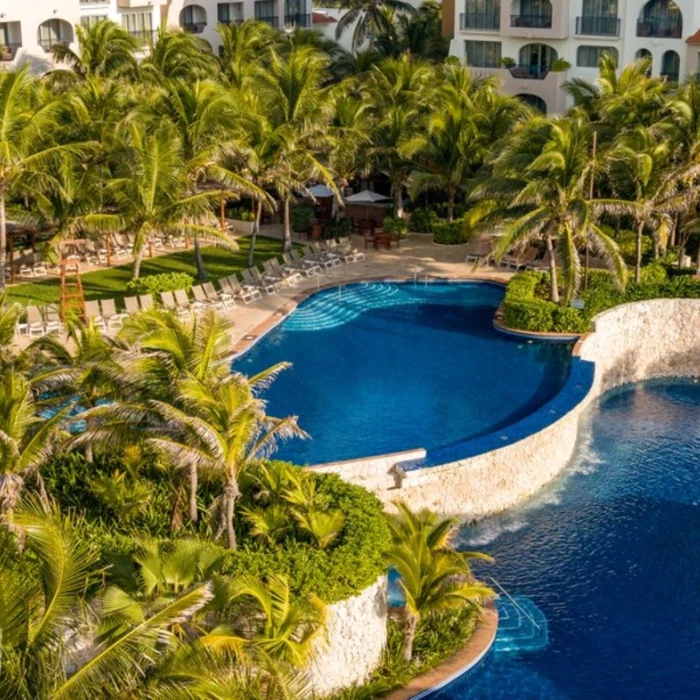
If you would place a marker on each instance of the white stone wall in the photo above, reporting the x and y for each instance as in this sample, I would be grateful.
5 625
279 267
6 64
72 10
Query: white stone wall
354 641
633 342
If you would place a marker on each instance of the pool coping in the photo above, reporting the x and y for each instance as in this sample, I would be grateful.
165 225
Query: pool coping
477 646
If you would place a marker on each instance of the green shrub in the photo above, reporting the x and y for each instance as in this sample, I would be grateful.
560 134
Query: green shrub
165 282
566 319
535 315
240 214
450 232
301 216
674 271
654 273
396 227
422 220
337 228
627 242
559 65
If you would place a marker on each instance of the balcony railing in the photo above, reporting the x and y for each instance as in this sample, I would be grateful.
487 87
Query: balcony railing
53 42
598 26
8 51
230 19
480 20
269 19
194 27
662 28
531 21
529 71
297 20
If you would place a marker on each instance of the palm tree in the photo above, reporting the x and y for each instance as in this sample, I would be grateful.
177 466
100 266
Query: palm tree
27 126
643 168
178 55
151 193
419 33
540 193
433 582
371 18
104 49
243 47
284 629
27 441
400 92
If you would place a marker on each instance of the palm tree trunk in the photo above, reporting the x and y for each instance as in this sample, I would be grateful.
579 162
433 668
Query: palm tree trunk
136 269
398 200
201 274
409 636
11 486
231 493
3 236
450 204
287 226
176 512
89 457
254 236
193 493
553 282
638 253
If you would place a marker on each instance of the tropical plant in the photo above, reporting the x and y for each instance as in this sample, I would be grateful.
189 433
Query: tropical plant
370 18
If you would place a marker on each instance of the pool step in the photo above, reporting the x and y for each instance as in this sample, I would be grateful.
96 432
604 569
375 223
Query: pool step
522 626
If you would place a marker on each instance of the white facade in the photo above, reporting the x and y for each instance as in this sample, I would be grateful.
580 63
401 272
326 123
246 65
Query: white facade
535 32
29 28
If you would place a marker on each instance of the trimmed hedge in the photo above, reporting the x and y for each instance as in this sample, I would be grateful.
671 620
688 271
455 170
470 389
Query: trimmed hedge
422 220
396 227
166 282
450 232
342 570
526 307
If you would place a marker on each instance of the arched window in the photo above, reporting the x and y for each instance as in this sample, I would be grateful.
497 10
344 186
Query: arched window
535 61
534 101
661 18
589 56
644 53
54 31
193 19
671 66
531 13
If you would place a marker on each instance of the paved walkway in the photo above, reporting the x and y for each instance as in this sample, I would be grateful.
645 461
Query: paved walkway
418 257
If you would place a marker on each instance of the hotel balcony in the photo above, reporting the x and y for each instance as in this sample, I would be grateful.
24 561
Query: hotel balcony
598 26
526 19
660 28
480 21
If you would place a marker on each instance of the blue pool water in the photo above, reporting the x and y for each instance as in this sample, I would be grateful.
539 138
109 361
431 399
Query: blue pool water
610 556
384 367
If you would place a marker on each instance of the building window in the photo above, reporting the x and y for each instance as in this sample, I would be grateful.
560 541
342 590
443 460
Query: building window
671 66
532 13
481 14
90 21
137 22
266 11
229 12
661 18
599 18
483 54
589 56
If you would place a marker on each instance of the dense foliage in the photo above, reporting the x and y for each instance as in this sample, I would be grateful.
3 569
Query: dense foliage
166 282
450 232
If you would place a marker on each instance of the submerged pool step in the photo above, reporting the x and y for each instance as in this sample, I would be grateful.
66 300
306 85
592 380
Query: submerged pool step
522 626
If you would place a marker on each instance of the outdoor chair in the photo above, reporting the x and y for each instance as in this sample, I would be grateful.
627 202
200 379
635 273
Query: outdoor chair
325 263
93 315
479 249
291 277
327 255
223 298
52 319
112 318
131 305
350 254
146 301
251 280
245 292
184 307
35 322
299 267
168 301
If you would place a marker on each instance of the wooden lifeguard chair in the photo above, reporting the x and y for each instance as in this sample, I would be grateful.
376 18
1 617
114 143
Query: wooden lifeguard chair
72 296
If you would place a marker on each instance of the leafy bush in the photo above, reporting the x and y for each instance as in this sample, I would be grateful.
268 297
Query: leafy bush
654 274
301 217
559 65
166 282
568 320
396 227
240 214
627 243
535 315
337 228
450 232
422 220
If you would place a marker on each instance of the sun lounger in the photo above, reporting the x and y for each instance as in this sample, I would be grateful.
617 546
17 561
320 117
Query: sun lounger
112 318
52 318
184 307
346 250
93 315
325 262
146 301
35 322
131 305
244 292
221 297
168 301
292 266
312 265
291 277
252 280
479 249
329 255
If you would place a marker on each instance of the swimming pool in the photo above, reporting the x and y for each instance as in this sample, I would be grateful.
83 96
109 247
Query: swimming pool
385 367
608 560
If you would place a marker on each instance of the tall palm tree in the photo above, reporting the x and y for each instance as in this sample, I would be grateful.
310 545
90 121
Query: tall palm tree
370 18
27 441
541 193
27 128
243 47
104 49
177 55
150 193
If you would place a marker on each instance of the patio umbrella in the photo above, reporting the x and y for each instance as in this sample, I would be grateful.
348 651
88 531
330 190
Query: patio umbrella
366 197
321 191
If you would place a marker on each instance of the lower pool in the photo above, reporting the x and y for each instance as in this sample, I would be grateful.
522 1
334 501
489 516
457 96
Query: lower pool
607 559
385 367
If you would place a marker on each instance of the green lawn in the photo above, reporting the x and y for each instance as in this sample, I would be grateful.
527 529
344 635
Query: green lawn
111 282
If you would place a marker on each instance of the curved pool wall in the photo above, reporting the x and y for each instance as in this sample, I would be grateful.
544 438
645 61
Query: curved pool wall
476 478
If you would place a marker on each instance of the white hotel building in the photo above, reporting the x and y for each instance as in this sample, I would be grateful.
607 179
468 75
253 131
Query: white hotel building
535 33
29 28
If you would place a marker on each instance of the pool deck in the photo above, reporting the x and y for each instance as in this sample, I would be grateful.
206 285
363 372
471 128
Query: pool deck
417 258
466 658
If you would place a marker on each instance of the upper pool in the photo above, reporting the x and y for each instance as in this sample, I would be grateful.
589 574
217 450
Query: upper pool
385 367
605 561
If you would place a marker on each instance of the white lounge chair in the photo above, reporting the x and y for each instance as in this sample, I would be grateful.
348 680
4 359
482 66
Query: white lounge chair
312 265
329 255
184 307
325 263
112 317
244 292
146 301
298 267
291 277
221 297
35 322
93 315
348 253
131 305
258 282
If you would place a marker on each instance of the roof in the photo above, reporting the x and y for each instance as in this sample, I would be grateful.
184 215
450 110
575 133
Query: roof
693 38
322 18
